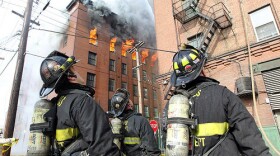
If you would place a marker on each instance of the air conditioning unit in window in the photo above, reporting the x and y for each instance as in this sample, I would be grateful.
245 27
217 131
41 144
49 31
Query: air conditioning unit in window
243 87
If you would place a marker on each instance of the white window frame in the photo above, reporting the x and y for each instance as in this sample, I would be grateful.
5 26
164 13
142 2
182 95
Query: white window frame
258 15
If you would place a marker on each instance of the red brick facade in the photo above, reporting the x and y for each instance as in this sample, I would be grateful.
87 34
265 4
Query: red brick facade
227 44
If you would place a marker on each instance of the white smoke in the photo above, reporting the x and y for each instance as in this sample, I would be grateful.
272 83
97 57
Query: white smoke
40 44
128 18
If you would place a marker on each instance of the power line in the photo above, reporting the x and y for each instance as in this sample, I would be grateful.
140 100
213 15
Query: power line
8 63
9 50
98 40
14 4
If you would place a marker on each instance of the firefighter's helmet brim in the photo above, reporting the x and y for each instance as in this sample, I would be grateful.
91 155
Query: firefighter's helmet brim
47 89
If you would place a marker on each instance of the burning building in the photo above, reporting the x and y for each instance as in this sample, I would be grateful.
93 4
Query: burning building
100 43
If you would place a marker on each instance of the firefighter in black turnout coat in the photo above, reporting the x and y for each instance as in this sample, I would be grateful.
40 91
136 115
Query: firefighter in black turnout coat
225 127
82 126
138 136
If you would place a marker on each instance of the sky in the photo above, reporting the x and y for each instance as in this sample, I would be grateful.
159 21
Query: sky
40 44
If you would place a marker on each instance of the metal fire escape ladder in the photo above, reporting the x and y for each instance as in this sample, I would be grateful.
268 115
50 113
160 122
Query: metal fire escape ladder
208 35
211 18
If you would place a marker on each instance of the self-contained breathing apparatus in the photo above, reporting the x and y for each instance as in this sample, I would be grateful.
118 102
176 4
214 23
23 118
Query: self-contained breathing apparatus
43 128
180 124
118 103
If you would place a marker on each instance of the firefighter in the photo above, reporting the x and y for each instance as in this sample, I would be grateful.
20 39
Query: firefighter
82 126
224 126
139 139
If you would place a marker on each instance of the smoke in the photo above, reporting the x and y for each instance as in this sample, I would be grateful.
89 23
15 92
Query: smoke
40 44
127 18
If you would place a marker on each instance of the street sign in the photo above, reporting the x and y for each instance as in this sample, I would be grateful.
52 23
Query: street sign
154 125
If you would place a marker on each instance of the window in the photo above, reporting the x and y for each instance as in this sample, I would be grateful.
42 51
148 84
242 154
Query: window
111 85
124 85
91 80
154 77
136 108
135 90
190 8
155 112
264 23
112 66
146 112
134 74
92 58
144 75
155 94
195 40
109 105
65 39
145 93
124 70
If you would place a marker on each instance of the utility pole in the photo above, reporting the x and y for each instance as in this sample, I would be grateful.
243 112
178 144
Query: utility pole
135 49
12 110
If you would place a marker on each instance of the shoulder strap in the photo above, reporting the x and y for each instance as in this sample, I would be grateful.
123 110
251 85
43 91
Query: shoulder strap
193 90
218 143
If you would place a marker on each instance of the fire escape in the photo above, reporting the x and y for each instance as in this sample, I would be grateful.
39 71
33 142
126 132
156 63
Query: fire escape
211 18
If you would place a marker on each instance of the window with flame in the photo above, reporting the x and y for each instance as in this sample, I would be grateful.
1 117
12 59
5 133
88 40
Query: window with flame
124 69
264 23
112 65
112 44
93 36
91 80
92 58
111 85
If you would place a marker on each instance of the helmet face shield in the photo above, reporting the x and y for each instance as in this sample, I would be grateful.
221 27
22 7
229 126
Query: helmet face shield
52 69
187 66
119 101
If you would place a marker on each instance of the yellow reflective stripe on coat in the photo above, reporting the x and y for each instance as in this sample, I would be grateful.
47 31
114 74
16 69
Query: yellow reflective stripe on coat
65 134
210 129
175 65
132 140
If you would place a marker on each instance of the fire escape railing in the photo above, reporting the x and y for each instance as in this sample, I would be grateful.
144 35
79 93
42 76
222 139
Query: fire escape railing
211 18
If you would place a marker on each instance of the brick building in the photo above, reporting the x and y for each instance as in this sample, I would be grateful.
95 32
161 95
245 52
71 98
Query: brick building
103 68
229 31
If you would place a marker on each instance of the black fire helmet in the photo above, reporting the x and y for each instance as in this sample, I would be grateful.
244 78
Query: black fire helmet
187 65
119 101
52 69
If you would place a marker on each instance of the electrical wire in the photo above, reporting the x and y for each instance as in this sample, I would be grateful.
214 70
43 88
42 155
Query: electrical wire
8 63
98 40
14 4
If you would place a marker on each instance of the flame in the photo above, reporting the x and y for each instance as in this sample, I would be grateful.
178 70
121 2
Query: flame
93 36
127 45
133 56
154 57
112 44
144 54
